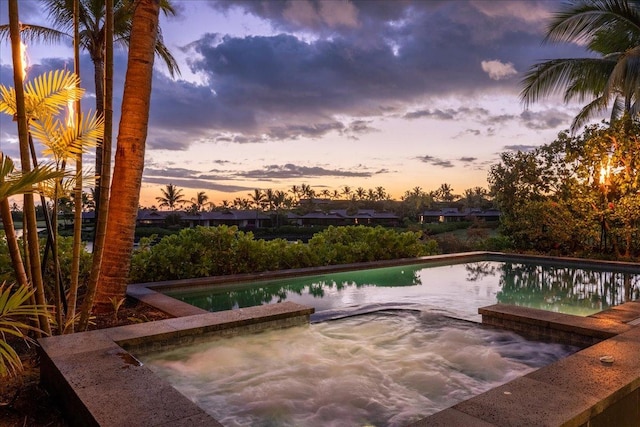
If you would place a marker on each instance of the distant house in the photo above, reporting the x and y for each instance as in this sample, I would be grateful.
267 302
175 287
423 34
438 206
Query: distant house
455 215
344 217
240 218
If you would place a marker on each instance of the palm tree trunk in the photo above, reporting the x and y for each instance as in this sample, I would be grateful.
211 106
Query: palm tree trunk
77 217
102 204
29 209
12 243
129 163
101 158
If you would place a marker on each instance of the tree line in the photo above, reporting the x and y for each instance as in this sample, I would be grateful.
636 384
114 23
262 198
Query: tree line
299 196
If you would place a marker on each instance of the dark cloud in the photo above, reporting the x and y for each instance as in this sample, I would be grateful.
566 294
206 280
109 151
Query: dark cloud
364 59
435 161
196 184
289 171
467 159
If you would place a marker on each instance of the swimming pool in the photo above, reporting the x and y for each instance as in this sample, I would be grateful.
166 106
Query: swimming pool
456 290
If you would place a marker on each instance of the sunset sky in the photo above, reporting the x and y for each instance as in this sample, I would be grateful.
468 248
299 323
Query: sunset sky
331 93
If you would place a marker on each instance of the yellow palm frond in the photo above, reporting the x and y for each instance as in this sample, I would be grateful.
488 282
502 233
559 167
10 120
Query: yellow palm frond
49 93
46 95
65 143
66 186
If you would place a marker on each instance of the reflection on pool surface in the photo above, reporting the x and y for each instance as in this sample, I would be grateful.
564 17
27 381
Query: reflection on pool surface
383 368
457 289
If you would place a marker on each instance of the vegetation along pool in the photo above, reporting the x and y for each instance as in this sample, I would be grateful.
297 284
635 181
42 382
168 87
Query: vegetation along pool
454 290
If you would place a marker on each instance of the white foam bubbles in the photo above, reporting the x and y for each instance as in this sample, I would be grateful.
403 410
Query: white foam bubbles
385 368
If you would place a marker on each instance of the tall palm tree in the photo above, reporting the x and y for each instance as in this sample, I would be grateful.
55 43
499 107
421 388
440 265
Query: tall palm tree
171 197
611 30
129 162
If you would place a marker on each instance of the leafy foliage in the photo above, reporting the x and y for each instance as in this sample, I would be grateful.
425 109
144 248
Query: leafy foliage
212 251
15 312
576 194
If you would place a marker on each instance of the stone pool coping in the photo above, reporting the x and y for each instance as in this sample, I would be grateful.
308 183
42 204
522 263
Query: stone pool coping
98 382
579 390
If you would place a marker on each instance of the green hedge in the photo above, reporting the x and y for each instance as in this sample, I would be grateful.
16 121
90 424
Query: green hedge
214 251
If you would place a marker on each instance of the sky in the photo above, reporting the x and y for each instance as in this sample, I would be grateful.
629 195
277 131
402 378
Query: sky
330 93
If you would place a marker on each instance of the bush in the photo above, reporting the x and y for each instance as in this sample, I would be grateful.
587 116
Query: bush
213 251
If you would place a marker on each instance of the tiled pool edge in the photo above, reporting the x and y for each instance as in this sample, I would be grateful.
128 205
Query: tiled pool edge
99 383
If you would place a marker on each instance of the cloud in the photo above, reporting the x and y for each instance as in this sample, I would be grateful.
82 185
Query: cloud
520 147
435 161
467 159
546 119
289 171
196 184
307 14
498 70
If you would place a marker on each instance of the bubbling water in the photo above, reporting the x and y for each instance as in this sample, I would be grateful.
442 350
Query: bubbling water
381 369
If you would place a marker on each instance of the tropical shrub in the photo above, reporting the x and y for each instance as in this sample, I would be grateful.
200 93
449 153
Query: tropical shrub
65 252
213 251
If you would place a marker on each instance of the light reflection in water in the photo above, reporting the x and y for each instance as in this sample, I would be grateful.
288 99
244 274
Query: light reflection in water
460 289
384 368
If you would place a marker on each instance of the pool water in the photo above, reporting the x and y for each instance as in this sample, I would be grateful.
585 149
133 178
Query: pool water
457 289
386 368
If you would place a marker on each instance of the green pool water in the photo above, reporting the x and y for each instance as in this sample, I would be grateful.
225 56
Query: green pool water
456 290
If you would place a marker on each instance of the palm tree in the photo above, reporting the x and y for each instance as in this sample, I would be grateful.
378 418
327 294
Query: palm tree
346 190
200 200
361 193
445 193
257 198
295 190
381 193
171 196
92 38
611 30
129 162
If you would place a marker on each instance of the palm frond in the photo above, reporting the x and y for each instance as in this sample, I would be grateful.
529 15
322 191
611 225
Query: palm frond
584 76
49 93
580 21
66 143
593 108
618 108
14 183
163 52
30 33
625 76
14 305
65 187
